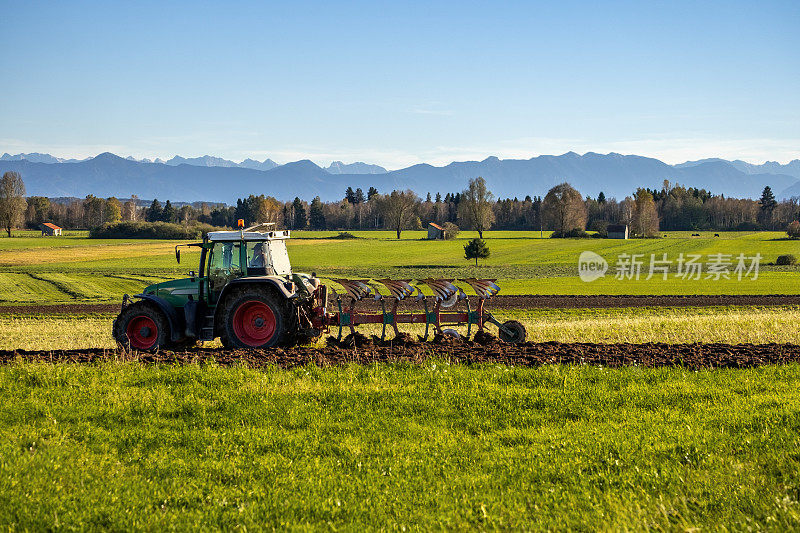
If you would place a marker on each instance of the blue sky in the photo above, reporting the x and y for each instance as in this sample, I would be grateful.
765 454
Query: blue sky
399 83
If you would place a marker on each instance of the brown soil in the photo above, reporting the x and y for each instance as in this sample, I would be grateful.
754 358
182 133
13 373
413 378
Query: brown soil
498 302
692 356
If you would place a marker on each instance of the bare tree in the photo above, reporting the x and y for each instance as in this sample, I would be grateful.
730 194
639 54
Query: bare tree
475 207
563 209
398 209
12 200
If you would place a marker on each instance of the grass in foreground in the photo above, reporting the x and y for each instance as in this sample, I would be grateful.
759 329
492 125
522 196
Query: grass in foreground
674 325
130 447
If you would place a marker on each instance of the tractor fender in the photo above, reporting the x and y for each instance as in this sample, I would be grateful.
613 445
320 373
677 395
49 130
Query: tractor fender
285 288
176 327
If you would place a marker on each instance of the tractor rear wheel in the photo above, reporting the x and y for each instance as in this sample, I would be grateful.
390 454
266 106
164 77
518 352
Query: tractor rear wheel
512 332
141 326
253 319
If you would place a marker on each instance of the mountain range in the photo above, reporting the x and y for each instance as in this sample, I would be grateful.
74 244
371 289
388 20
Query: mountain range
215 179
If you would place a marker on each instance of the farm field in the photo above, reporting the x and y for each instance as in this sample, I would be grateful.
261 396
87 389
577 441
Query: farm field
76 269
125 446
730 324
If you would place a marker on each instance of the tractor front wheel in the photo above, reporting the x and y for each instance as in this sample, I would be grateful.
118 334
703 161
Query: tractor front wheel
253 320
142 327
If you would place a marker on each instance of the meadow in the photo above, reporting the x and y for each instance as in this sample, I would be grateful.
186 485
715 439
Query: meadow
124 446
76 269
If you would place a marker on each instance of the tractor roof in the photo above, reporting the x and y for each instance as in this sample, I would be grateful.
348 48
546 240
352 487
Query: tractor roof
248 235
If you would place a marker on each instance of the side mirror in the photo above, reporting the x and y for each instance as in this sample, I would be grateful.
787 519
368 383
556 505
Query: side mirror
192 274
178 255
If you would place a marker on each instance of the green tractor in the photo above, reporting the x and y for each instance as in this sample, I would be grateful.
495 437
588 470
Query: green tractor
244 292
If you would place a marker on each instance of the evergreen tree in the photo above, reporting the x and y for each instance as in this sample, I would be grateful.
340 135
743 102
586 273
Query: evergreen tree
350 195
316 215
438 197
767 205
371 192
299 214
476 249
428 198
601 198
169 214
154 212
360 196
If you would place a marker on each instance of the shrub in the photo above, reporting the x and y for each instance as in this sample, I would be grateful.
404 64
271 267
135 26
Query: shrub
787 259
571 234
451 231
344 235
150 230
476 249
793 231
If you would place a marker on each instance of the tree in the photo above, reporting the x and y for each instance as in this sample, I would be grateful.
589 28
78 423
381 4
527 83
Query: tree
601 198
563 209
360 199
397 209
316 215
767 205
169 214
38 207
793 231
299 221
112 211
476 249
371 192
129 209
645 216
475 207
350 195
12 200
154 212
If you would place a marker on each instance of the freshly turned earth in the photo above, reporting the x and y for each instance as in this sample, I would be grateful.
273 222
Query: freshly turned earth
690 356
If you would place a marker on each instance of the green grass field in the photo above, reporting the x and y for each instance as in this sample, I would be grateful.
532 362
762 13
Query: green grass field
126 447
77 269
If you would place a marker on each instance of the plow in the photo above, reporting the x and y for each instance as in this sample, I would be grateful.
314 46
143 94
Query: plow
439 312
245 293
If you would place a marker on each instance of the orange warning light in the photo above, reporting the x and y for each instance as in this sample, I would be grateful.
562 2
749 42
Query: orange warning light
241 223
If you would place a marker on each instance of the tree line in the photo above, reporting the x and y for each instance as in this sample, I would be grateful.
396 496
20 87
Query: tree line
562 210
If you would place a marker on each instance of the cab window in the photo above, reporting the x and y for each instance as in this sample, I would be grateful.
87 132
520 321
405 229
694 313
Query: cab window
224 265
257 258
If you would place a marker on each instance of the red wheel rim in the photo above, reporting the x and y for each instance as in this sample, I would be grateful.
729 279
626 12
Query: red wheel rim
254 323
142 332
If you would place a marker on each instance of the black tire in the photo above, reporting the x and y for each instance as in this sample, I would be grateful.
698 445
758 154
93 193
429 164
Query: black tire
512 332
253 318
142 326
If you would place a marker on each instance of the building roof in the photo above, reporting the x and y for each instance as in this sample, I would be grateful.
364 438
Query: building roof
51 226
437 226
616 228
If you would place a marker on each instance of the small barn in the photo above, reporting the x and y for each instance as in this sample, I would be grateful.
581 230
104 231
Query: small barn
617 231
435 232
50 230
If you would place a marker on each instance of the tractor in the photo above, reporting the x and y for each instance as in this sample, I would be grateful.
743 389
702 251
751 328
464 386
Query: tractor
246 294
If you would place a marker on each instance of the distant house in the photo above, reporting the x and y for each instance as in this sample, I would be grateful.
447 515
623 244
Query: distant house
49 229
435 232
617 231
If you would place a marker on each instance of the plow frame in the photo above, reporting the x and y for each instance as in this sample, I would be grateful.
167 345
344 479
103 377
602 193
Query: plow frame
347 316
